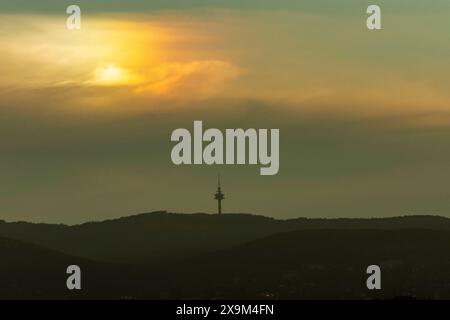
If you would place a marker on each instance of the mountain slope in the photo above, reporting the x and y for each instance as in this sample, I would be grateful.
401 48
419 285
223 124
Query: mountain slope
145 238
28 271
163 237
323 264
302 264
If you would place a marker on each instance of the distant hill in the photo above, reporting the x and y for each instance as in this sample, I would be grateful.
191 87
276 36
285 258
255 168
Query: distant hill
28 271
145 238
164 237
322 264
166 255
302 264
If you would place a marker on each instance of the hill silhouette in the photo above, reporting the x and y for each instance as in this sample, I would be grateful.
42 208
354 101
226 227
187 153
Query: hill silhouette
30 271
163 255
160 237
323 264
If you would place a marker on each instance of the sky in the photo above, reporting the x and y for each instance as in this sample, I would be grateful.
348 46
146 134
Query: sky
86 115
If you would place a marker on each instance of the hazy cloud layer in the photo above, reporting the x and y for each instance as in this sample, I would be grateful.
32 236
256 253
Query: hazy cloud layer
86 117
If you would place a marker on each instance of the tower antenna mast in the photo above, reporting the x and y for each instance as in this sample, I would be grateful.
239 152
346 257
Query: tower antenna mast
219 196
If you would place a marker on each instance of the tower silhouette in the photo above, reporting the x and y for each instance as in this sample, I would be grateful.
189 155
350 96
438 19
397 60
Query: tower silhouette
219 196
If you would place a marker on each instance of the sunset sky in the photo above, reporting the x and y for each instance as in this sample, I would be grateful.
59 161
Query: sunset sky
86 115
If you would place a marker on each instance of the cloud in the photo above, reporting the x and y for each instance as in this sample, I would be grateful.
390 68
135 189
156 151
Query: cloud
331 7
112 67
195 80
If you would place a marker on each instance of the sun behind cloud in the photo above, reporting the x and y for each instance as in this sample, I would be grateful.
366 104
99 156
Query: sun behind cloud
139 59
111 75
